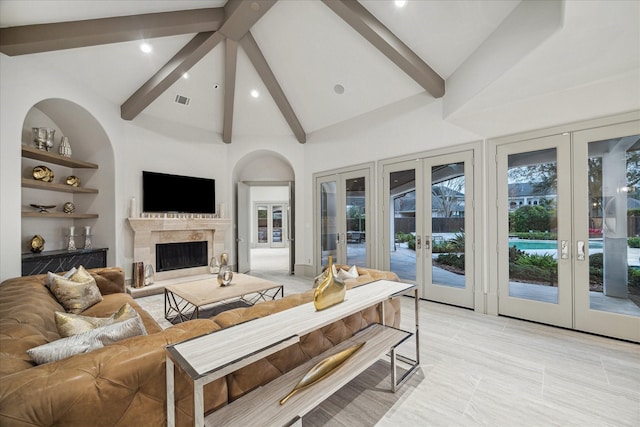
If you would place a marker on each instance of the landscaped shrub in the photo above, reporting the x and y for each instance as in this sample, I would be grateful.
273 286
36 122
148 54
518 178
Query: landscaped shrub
454 260
634 277
531 273
596 260
633 212
634 242
531 217
541 261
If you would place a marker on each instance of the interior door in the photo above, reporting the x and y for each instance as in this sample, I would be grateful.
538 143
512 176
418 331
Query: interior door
606 226
534 230
449 229
243 203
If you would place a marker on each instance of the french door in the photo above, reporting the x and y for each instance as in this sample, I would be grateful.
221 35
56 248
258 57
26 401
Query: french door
271 228
343 201
566 251
429 227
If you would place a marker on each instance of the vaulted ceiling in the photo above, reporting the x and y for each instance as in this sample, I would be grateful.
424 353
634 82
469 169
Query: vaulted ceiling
317 63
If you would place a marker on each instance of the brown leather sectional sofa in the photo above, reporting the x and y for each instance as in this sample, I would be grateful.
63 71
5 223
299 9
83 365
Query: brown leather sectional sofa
123 384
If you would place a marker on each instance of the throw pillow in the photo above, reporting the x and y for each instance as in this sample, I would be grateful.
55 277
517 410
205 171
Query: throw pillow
78 292
72 324
352 273
50 276
87 341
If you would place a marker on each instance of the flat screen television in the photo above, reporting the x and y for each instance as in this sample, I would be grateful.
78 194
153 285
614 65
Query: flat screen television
162 192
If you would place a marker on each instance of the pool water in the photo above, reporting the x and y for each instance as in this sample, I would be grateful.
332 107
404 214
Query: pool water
524 245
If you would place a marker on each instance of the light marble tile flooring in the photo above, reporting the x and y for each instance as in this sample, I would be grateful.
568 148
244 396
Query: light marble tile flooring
488 370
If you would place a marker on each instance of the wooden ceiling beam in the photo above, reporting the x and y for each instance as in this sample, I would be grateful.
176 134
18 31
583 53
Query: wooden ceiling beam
28 39
259 62
186 58
374 31
241 15
230 65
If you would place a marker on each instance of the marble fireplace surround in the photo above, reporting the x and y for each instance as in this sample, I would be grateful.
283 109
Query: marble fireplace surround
150 231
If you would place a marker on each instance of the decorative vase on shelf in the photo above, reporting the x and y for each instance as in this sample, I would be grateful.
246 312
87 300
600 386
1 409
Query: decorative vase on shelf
225 275
71 245
43 137
87 237
330 291
65 147
214 265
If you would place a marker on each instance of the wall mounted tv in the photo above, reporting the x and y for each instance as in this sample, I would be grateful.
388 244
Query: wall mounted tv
163 192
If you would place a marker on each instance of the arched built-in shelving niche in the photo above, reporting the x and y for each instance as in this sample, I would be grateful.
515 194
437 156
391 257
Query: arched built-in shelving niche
90 144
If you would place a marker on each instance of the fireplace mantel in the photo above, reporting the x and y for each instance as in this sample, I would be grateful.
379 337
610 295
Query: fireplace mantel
150 231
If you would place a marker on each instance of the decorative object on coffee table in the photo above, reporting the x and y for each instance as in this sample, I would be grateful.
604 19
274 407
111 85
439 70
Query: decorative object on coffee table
224 258
323 369
43 208
225 275
43 137
42 173
68 208
37 244
73 181
71 244
330 291
65 148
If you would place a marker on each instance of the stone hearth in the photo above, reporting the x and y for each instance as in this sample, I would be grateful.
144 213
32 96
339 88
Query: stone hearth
150 231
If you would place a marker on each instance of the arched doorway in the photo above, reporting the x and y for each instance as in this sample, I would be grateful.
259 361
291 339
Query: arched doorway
265 213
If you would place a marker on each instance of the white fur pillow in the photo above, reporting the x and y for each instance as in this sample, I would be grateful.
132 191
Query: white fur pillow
352 273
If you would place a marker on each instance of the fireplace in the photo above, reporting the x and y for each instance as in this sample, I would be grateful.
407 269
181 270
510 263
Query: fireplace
179 255
149 233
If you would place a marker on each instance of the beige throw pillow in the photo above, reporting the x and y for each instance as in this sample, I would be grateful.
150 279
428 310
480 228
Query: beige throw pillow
78 292
87 341
70 324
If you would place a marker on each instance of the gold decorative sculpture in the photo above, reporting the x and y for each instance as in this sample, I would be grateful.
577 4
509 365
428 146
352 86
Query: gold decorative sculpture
73 181
42 173
330 292
68 208
323 369
37 244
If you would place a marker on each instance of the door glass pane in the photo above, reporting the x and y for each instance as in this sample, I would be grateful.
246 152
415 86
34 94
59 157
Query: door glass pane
614 225
356 221
263 225
533 242
276 224
328 223
402 202
447 225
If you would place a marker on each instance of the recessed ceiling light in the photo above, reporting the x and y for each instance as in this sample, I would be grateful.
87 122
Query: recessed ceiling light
255 93
185 76
401 3
339 89
146 47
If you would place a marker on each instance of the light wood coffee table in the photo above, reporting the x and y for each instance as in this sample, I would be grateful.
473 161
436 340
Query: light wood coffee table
184 301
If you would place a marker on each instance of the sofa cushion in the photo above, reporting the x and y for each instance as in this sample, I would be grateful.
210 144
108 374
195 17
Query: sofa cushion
72 324
87 341
78 292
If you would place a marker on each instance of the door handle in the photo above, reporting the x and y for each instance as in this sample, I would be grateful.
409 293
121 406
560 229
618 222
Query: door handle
581 250
418 244
427 243
564 249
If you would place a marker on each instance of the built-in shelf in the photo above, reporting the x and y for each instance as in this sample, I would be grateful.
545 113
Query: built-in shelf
34 183
58 215
46 156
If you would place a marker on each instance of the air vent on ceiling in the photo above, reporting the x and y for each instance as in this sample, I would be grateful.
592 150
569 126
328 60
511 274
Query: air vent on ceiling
182 100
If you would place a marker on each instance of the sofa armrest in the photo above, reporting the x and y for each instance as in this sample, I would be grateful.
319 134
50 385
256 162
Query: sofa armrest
122 384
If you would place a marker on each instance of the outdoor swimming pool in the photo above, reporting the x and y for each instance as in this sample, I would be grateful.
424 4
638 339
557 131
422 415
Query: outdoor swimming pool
524 245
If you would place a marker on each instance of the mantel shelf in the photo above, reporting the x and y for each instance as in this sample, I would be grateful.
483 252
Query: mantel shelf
46 156
34 183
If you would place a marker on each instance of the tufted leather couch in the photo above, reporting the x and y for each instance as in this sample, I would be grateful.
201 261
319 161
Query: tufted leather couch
123 384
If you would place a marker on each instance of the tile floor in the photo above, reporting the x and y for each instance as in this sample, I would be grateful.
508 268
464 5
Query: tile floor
487 370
